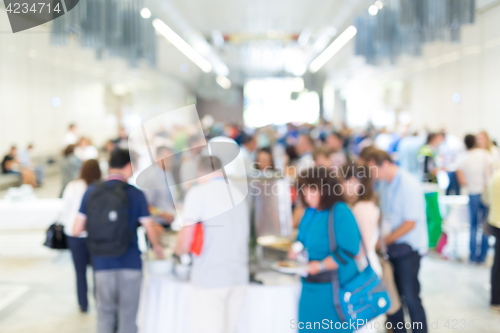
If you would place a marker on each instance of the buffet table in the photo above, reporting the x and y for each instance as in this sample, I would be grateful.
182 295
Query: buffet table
268 308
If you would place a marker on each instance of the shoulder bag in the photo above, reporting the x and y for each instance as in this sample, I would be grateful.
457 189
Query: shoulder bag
362 298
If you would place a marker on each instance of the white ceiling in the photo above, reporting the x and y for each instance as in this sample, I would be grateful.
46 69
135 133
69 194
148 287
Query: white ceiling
258 16
268 30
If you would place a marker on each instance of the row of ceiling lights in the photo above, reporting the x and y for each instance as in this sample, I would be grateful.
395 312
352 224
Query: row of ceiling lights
222 80
185 48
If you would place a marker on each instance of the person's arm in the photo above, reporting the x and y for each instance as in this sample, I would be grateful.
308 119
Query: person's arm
315 267
185 239
413 208
79 225
400 231
153 236
461 178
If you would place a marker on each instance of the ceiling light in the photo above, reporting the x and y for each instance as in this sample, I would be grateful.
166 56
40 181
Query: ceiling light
223 81
373 10
182 45
379 4
332 49
145 13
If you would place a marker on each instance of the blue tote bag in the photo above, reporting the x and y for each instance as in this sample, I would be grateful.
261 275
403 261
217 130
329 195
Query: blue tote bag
362 298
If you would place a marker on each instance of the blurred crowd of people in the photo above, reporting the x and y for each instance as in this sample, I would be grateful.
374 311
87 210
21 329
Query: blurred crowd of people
387 211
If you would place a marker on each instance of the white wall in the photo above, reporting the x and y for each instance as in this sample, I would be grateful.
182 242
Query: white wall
32 72
423 87
471 69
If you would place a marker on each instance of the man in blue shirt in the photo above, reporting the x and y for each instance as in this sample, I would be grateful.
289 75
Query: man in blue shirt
118 279
404 231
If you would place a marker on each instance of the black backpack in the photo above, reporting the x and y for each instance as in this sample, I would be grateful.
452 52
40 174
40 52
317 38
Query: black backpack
109 234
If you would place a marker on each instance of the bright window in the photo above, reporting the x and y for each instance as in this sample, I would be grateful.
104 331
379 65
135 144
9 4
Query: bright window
279 101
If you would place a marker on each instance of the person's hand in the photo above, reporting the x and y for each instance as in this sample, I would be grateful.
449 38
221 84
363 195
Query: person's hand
158 251
167 217
292 255
313 267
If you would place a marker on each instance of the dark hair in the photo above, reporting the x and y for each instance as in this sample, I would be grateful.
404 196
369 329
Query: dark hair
309 139
432 136
246 138
361 173
364 154
90 171
470 141
379 157
322 150
291 153
321 179
161 149
267 150
70 149
119 158
338 135
208 164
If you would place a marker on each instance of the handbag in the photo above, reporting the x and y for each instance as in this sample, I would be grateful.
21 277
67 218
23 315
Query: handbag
390 284
362 298
55 237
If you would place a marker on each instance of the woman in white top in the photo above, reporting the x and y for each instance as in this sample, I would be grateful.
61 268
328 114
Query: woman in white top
359 193
72 199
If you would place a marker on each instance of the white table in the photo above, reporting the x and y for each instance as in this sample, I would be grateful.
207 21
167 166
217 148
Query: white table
456 224
267 308
29 214
23 225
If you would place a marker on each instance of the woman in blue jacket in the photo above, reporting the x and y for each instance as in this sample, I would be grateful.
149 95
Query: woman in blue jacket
322 193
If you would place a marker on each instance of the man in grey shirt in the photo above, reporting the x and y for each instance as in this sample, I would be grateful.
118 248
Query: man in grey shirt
220 272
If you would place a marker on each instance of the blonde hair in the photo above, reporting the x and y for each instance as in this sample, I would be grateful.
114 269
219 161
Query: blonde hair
489 143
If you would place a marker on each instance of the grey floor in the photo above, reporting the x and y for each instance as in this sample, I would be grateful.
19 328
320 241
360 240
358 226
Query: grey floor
37 293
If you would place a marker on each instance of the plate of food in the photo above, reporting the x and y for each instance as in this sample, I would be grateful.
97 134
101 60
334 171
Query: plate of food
290 267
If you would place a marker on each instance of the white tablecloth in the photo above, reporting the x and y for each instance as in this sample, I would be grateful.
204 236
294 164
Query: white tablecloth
29 214
267 308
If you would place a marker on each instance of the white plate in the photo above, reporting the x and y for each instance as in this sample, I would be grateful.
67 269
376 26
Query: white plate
300 270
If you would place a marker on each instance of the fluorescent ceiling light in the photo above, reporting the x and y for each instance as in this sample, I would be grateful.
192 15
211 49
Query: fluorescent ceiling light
145 13
182 45
223 81
332 49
